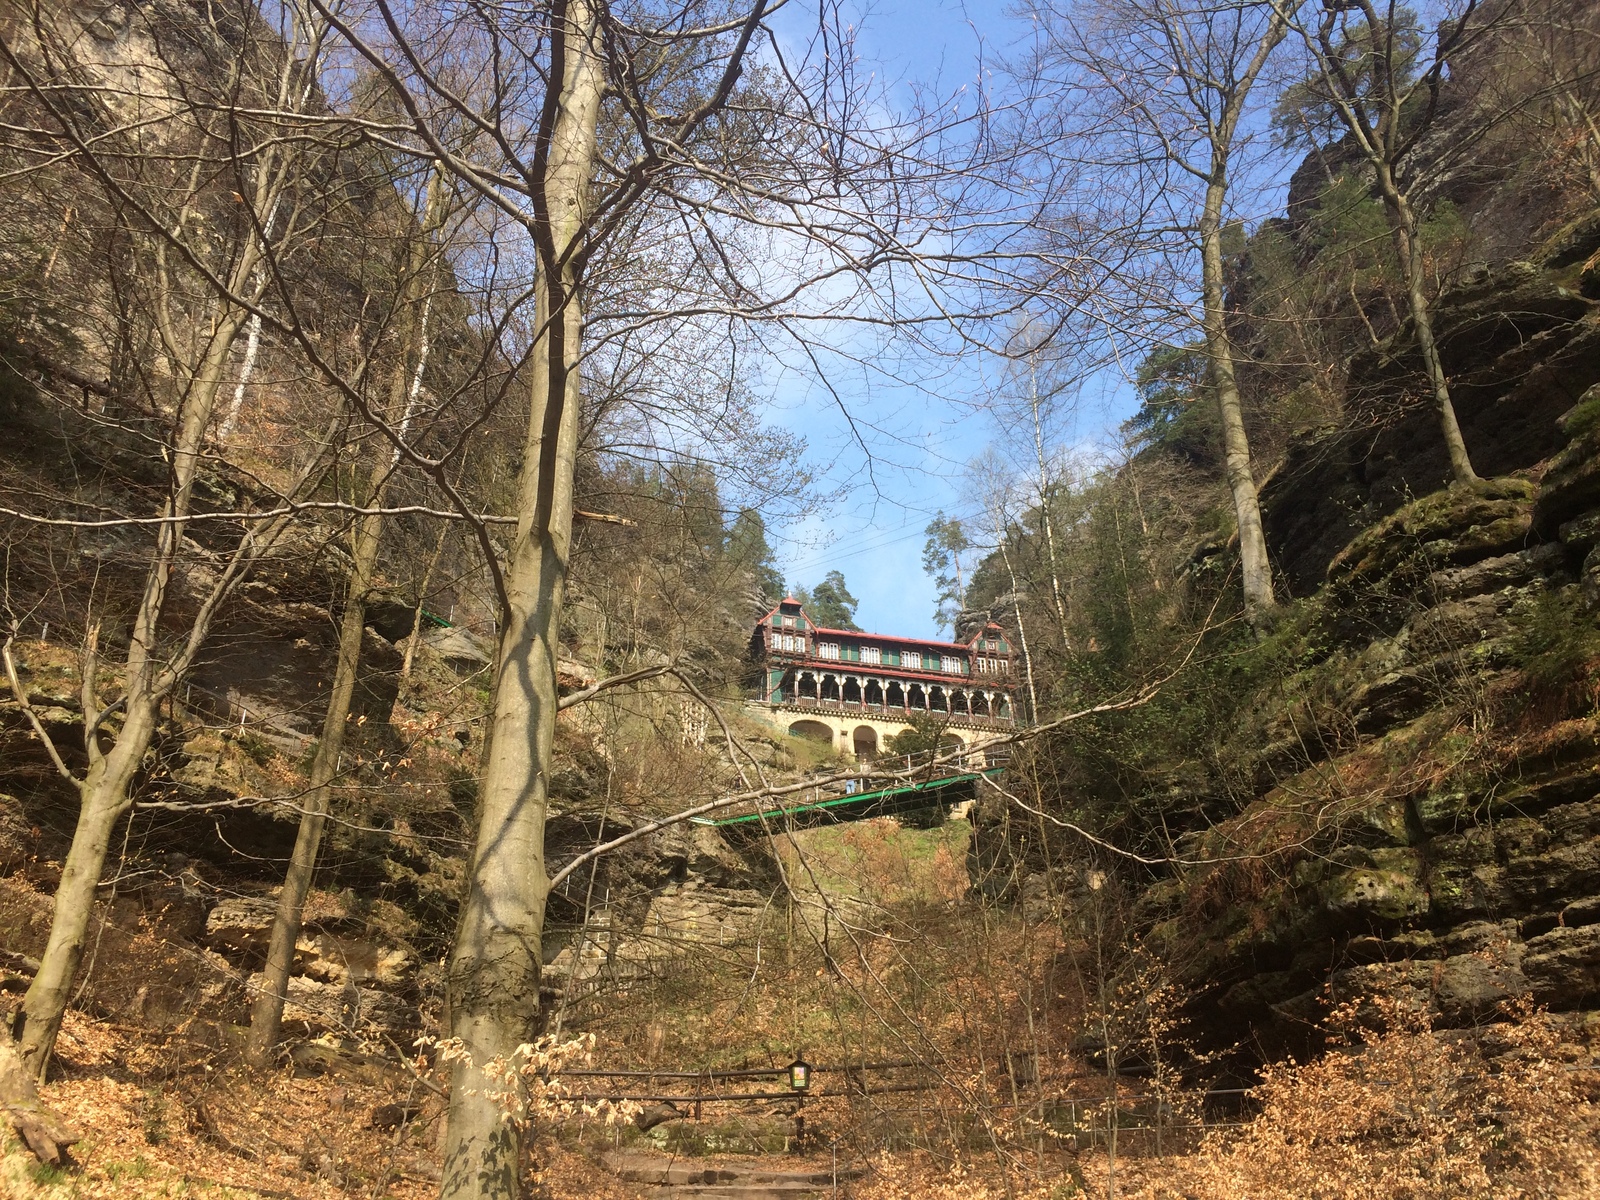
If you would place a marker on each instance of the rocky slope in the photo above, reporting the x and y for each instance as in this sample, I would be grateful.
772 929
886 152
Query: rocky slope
1408 798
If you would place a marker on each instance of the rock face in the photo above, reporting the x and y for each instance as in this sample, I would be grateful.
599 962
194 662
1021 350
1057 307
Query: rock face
1521 345
1425 813
652 902
1463 872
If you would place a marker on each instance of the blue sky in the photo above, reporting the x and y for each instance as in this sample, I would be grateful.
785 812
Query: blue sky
919 436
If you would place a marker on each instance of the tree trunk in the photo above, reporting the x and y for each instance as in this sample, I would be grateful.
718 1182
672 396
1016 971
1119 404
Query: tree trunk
104 802
1257 571
266 1014
1408 247
104 791
44 1130
494 967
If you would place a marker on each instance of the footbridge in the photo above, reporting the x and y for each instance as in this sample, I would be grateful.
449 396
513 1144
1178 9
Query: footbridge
945 785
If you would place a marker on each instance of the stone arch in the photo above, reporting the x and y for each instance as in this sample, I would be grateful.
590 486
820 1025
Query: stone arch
865 741
812 731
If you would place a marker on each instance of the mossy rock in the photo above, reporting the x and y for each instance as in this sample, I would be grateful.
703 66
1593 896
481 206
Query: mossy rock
1389 891
1461 524
1571 484
1575 241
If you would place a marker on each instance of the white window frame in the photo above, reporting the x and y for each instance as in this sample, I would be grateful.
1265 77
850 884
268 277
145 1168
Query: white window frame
828 650
911 660
949 664
872 654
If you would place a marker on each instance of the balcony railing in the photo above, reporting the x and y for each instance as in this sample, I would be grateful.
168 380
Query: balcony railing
863 708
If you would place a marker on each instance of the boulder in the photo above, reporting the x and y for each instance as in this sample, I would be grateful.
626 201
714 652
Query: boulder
1388 892
240 925
1563 966
315 1008
458 647
329 958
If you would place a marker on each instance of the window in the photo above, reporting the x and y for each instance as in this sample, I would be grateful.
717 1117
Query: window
911 660
950 665
1004 666
827 650
871 654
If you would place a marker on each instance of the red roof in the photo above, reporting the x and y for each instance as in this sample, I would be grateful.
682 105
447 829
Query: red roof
820 630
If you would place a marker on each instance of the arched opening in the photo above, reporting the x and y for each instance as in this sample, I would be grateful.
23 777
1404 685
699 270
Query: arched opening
937 700
806 687
896 697
830 687
1005 709
851 693
987 702
919 696
874 693
959 703
812 731
866 742
951 741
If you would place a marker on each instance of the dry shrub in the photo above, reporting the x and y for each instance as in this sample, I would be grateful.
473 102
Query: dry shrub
920 1177
1405 1114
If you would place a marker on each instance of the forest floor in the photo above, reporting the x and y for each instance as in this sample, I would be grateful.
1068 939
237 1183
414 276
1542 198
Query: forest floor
158 1120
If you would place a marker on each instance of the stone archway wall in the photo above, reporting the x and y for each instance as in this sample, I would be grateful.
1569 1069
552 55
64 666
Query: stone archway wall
865 740
841 727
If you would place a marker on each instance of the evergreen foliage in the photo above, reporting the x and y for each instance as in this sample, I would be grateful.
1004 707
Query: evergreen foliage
830 603
941 558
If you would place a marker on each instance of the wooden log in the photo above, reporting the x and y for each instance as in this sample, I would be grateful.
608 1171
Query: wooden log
44 1130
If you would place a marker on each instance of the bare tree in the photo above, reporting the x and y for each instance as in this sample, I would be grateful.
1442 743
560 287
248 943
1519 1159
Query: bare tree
1168 85
1374 76
136 140
407 369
